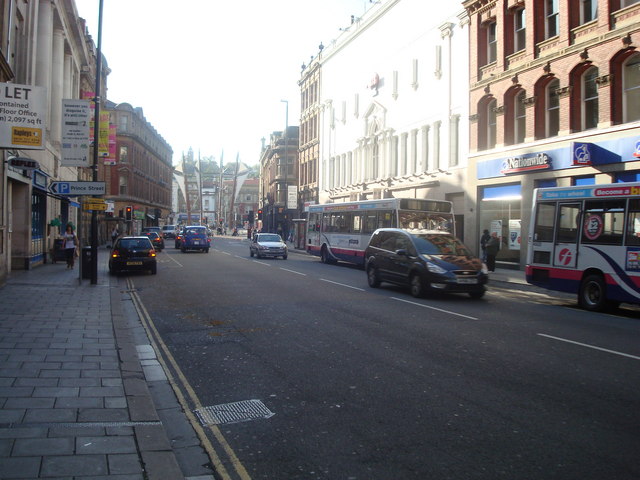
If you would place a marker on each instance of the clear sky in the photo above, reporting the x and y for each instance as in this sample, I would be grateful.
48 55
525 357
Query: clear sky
211 74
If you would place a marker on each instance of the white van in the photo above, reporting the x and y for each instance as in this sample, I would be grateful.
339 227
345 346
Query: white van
169 231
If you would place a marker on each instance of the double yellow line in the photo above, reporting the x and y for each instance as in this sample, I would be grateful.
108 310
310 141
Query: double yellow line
164 353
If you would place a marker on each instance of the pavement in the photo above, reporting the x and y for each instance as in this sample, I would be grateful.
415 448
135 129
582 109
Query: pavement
82 393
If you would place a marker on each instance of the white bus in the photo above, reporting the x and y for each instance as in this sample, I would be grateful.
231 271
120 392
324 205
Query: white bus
341 231
586 240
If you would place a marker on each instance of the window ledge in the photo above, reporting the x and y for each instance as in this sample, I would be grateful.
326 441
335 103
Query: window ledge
625 17
585 32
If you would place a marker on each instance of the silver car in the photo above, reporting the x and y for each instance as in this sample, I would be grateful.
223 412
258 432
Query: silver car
268 245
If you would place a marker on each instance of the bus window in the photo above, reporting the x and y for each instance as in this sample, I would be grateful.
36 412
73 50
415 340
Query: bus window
545 215
633 223
603 222
370 222
386 219
356 225
568 217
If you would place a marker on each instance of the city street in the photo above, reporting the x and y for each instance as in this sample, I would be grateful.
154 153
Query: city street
351 382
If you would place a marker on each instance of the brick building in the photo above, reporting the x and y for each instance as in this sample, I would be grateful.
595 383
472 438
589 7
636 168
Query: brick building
554 101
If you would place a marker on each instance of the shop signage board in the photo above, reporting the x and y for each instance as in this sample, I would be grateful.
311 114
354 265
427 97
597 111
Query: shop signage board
22 116
76 118
77 188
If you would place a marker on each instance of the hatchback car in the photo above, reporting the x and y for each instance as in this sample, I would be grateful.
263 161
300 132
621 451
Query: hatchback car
132 253
268 245
156 240
195 237
152 229
169 231
427 261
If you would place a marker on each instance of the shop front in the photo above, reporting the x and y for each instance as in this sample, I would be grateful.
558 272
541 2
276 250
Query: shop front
506 183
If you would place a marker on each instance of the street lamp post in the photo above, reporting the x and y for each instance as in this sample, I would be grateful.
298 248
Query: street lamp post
286 171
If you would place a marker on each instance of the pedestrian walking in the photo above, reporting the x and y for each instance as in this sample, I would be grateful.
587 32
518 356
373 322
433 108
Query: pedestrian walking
492 248
114 235
70 245
483 244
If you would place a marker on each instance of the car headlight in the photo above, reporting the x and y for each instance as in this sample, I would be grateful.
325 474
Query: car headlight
433 268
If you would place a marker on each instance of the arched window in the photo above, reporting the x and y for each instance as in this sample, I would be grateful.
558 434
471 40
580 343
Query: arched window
590 99
519 117
491 123
631 89
552 108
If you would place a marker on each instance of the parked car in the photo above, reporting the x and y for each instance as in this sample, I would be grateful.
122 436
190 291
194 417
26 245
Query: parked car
131 254
169 231
152 229
195 237
268 245
427 261
156 240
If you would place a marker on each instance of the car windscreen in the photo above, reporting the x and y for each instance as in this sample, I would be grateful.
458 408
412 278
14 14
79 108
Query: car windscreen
134 244
438 244
196 231
269 238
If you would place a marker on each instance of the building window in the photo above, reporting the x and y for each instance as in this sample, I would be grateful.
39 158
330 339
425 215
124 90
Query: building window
520 30
588 10
492 42
553 109
631 86
491 124
627 3
552 17
124 154
122 183
590 99
124 123
519 117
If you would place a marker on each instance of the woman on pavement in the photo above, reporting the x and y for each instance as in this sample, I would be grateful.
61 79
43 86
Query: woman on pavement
70 245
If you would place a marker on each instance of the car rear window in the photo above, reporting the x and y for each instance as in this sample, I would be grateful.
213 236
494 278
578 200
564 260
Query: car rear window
132 243
196 231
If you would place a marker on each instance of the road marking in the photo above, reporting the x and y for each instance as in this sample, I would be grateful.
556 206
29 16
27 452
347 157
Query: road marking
154 335
293 271
341 284
173 259
262 263
590 346
434 308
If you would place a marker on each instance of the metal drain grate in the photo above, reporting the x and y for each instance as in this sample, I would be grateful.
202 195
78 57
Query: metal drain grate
233 412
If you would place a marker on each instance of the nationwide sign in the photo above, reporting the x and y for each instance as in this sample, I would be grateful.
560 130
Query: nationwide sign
541 161
22 116
77 188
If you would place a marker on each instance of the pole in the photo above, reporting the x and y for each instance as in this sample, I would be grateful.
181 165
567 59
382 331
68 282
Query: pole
220 186
186 191
200 186
96 143
285 228
232 222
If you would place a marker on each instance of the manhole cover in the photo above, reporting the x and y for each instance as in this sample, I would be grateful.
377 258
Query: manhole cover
233 412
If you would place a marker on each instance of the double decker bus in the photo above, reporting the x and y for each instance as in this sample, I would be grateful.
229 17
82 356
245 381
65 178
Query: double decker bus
586 240
341 231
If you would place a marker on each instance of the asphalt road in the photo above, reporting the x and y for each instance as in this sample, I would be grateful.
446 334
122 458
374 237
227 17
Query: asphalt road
362 383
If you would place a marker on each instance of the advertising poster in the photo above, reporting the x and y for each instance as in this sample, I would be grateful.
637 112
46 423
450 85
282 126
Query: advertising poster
76 117
22 116
515 238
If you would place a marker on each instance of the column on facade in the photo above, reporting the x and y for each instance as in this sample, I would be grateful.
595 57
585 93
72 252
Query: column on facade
68 89
604 97
57 85
388 154
500 124
564 94
424 159
363 159
44 50
530 119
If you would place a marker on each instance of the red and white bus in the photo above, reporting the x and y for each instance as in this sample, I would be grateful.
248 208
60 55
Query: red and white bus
586 240
341 231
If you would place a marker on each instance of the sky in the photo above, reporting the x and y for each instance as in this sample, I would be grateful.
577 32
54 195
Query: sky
211 74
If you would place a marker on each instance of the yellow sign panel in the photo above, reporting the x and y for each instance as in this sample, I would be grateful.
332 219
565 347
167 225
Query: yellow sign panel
29 137
95 206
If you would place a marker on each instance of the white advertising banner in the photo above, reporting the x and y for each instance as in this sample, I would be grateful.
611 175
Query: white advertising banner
292 197
22 116
514 235
76 117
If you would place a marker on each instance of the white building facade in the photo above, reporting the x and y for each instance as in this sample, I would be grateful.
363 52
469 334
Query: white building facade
394 106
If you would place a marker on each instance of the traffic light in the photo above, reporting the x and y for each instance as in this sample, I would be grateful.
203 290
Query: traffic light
250 217
260 214
128 212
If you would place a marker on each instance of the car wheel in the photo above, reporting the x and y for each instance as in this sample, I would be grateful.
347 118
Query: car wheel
417 285
476 295
251 253
206 250
183 250
284 257
154 270
592 295
258 255
372 276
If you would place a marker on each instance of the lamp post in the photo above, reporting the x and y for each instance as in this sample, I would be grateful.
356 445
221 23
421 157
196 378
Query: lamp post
286 170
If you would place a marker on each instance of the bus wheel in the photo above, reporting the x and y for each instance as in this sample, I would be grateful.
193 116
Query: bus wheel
592 295
324 256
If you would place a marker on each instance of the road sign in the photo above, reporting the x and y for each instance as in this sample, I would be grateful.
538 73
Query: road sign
77 188
95 206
